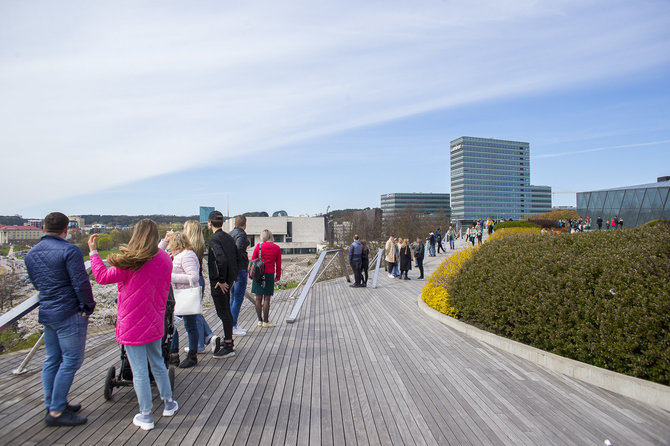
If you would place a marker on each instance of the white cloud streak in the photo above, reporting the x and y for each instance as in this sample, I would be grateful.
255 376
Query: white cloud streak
602 149
101 94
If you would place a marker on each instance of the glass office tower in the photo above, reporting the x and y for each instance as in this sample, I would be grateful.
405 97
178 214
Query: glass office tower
418 203
489 178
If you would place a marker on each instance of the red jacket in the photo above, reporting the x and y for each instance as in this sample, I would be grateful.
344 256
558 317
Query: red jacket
271 255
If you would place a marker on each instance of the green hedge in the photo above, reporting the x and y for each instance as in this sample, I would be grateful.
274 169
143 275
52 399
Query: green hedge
602 297
515 224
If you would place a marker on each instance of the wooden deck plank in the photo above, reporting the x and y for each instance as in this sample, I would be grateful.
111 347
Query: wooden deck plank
359 366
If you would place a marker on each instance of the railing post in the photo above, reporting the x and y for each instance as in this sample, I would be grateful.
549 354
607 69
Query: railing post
305 290
379 261
22 368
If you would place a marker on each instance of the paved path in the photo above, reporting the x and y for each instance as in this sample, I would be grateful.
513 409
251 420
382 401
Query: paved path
360 366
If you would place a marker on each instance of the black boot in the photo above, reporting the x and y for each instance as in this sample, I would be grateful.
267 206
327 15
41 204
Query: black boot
190 361
174 357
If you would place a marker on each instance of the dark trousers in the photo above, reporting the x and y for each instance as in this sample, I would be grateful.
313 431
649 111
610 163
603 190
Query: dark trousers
356 267
439 246
390 267
222 305
364 273
419 260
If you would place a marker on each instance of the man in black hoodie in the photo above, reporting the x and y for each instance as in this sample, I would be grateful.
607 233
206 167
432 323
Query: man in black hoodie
240 287
222 267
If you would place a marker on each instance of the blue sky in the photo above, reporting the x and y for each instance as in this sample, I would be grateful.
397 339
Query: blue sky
130 108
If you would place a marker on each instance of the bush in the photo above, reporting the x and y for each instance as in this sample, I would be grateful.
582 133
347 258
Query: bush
602 297
564 214
515 224
658 222
435 293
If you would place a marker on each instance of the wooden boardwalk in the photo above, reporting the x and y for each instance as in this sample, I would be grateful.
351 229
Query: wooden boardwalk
360 366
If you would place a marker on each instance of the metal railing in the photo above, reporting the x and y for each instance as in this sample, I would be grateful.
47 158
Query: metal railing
312 276
21 310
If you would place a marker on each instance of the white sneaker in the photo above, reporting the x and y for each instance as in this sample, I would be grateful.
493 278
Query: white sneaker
237 331
170 408
144 421
391 276
215 343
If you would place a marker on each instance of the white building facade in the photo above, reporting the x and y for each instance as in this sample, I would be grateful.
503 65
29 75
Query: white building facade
294 235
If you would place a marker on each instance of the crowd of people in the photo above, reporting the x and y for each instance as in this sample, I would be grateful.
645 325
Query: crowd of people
146 271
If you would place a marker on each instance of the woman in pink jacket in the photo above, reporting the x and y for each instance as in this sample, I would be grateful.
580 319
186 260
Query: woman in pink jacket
142 272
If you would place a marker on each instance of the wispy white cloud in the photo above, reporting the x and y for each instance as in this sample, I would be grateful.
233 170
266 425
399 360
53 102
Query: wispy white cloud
100 94
602 149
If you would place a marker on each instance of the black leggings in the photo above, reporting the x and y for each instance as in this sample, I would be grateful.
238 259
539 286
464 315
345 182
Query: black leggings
222 305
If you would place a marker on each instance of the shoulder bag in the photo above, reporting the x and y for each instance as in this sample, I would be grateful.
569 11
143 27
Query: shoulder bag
187 300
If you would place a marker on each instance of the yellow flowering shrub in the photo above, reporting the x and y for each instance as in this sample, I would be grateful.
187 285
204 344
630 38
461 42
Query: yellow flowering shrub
502 233
435 293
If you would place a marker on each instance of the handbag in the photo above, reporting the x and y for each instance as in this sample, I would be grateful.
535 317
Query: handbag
187 300
256 268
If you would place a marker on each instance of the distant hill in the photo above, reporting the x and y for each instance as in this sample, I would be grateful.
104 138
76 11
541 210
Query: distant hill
11 220
127 220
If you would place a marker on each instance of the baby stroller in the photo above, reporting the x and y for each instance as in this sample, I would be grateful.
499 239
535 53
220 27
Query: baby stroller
125 375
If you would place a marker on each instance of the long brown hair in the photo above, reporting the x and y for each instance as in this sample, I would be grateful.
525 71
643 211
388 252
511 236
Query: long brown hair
141 248
193 232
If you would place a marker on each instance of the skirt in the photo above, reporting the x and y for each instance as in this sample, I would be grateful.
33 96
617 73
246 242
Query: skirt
268 289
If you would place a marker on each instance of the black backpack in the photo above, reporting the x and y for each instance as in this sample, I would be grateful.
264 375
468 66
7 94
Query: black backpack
256 267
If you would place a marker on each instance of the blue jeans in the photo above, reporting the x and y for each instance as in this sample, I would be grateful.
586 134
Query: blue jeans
191 327
451 243
431 250
138 355
237 294
64 343
204 332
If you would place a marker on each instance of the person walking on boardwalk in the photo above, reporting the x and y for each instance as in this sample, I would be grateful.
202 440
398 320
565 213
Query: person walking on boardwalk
270 254
390 257
193 231
438 240
222 268
405 255
240 286
143 273
56 269
365 263
356 260
450 236
419 252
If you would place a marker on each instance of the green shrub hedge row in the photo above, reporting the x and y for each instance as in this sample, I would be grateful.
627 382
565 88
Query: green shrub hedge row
602 298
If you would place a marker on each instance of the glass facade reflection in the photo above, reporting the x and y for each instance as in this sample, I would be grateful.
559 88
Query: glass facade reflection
418 203
491 178
636 205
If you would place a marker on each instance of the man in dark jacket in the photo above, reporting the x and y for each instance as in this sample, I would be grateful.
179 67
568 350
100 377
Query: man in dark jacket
240 286
355 259
419 252
222 267
56 269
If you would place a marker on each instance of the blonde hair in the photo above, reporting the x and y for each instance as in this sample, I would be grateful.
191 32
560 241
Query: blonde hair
266 236
179 242
193 231
405 242
141 248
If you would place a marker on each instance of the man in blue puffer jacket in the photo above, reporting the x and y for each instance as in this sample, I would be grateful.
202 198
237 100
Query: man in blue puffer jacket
56 269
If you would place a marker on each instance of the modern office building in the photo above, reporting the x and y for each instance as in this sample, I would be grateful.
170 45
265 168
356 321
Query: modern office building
540 199
294 235
636 205
417 203
491 178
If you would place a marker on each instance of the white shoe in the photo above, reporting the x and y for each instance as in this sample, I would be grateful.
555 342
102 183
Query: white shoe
239 331
144 421
390 276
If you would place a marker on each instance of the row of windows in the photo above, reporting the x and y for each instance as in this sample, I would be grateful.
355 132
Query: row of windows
458 157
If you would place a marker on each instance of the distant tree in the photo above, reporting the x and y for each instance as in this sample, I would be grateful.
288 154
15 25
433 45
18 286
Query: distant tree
10 287
105 242
121 236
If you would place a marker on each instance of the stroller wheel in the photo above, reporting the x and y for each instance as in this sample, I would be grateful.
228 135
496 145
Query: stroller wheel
109 383
171 376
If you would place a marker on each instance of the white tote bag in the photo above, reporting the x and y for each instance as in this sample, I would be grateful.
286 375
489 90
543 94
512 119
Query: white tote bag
187 301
